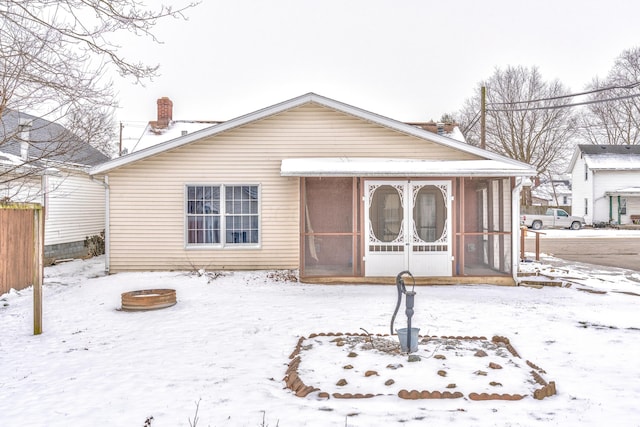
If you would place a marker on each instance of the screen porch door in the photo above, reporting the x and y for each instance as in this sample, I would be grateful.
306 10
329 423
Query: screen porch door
408 227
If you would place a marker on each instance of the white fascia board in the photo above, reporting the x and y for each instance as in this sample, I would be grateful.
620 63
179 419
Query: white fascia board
574 159
379 167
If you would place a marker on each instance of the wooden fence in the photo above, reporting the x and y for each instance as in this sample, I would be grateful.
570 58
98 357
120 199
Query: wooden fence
21 245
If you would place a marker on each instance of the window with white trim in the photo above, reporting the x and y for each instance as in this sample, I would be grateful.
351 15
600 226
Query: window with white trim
222 215
586 206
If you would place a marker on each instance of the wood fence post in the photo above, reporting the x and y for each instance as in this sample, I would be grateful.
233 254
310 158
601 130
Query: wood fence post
38 268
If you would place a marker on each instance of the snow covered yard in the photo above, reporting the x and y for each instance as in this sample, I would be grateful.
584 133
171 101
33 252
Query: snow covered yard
226 344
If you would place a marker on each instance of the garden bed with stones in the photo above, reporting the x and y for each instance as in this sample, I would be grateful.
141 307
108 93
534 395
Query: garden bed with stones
342 366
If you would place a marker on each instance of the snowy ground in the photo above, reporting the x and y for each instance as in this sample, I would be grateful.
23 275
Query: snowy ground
226 345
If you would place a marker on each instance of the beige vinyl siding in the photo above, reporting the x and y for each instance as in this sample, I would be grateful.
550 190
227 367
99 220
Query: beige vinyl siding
147 197
74 208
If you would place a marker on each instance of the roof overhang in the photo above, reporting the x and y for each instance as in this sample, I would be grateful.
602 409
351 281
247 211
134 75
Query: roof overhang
388 167
624 192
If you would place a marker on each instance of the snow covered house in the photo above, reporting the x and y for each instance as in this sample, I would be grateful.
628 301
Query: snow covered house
42 162
554 192
606 183
338 192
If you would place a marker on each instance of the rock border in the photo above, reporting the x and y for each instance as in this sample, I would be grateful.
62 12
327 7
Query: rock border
294 383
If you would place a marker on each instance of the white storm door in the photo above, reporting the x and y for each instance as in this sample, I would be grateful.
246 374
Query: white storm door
408 227
385 237
430 228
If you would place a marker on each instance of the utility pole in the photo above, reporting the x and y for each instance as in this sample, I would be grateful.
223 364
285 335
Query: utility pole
120 145
483 115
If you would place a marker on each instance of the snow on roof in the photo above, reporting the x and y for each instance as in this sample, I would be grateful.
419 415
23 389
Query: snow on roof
456 134
15 164
546 190
10 159
153 136
628 191
613 161
350 166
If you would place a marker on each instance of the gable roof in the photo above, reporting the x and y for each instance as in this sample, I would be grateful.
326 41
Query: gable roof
47 141
608 157
297 102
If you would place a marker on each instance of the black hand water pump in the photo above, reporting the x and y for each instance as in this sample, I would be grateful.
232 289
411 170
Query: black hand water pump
410 295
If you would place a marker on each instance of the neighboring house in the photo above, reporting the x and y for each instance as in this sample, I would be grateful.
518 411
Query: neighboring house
42 162
340 193
606 183
556 192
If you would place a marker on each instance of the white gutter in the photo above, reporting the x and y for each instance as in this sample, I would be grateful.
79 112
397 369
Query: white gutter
396 167
515 229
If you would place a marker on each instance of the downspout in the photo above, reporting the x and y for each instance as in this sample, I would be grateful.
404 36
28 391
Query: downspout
619 215
515 229
105 184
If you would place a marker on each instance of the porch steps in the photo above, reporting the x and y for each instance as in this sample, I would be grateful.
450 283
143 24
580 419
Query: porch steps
535 280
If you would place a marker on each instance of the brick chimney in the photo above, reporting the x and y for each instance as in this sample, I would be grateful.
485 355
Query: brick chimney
165 112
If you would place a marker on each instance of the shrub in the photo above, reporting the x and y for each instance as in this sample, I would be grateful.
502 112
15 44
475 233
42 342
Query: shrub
95 244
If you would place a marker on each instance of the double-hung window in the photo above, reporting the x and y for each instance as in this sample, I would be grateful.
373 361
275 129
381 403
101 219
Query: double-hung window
222 215
622 205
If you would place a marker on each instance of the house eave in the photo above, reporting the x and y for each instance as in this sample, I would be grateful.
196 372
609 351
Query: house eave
623 193
389 167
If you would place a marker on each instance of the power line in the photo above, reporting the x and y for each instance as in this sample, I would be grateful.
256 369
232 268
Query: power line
629 86
554 107
472 123
579 126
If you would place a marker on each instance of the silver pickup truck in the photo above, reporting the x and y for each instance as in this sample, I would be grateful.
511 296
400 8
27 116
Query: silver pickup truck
553 218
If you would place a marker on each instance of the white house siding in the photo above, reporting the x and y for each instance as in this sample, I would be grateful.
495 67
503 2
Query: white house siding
582 189
75 208
593 189
611 181
147 224
633 208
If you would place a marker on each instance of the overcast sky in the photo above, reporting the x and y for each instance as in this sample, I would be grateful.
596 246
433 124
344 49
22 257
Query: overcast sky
410 60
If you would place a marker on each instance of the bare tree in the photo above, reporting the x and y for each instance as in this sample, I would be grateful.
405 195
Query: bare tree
55 59
94 126
524 120
613 116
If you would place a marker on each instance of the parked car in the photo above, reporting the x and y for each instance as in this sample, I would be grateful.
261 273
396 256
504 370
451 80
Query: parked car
553 218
